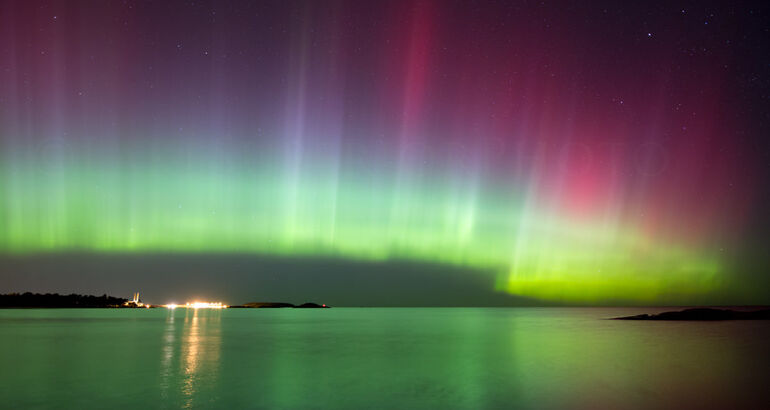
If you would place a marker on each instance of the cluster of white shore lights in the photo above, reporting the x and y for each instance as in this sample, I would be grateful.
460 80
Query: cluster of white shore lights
198 305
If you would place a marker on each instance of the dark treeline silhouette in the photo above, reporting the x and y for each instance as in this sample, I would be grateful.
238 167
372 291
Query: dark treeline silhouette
55 300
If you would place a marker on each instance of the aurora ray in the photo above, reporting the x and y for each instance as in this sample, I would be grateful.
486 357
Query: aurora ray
571 175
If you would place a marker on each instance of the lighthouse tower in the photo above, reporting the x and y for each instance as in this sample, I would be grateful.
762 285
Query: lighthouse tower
135 302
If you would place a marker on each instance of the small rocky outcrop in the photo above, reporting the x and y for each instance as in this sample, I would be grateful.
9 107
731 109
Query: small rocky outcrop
704 314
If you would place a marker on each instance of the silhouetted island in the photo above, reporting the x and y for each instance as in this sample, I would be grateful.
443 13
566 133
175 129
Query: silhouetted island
704 314
311 306
55 300
266 305
262 305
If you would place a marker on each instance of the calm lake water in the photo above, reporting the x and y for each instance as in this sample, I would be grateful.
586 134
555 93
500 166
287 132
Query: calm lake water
377 358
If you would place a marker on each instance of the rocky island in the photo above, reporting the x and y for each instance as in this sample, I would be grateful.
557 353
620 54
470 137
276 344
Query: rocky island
261 305
704 314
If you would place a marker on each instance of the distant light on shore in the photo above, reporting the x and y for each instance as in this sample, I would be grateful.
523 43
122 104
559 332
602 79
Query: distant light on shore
197 305
205 305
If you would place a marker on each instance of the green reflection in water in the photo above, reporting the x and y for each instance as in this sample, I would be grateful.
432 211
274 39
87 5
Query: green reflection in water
376 358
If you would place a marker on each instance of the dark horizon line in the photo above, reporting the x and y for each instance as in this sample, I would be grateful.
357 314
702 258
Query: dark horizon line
545 305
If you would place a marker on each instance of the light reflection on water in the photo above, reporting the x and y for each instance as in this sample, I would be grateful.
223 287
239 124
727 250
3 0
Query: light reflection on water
194 361
169 335
200 347
376 358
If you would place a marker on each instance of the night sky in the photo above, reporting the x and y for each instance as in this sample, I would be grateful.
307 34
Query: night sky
387 153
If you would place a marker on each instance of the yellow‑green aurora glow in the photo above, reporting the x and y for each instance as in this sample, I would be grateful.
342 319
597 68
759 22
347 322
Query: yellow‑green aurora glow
178 203
573 168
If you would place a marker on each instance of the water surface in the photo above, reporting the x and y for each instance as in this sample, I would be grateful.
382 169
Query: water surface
377 358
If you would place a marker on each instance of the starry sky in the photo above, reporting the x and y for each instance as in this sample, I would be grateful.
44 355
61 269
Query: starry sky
484 153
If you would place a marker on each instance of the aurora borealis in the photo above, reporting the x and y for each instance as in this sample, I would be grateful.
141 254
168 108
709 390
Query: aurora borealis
578 152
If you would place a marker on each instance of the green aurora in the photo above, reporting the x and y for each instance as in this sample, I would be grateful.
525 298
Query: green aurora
68 202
